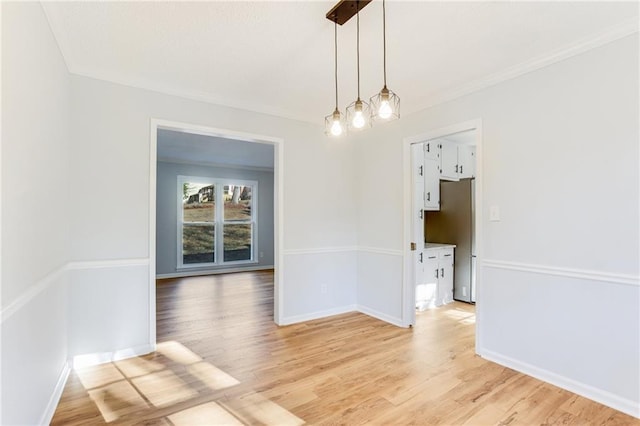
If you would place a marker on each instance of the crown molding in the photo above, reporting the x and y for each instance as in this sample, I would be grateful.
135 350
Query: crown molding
613 33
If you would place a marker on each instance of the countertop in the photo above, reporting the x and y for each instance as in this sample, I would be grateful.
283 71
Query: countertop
438 246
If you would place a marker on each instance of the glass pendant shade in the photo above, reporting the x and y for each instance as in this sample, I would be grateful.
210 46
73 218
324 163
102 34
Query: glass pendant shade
385 106
334 124
358 115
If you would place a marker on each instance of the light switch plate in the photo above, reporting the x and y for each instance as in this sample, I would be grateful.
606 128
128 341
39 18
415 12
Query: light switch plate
494 214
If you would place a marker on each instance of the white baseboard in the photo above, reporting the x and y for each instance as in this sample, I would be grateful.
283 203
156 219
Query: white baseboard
317 315
616 402
47 416
183 274
87 360
381 316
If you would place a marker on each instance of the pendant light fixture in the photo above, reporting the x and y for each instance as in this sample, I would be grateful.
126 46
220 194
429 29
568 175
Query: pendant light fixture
358 113
333 122
385 106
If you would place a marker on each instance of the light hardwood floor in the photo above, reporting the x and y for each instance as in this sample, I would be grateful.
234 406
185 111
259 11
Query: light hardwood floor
222 360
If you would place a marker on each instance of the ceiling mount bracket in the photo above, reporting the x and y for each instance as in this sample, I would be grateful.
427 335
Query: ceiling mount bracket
345 10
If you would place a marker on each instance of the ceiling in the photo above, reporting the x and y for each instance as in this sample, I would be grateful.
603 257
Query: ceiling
277 57
192 148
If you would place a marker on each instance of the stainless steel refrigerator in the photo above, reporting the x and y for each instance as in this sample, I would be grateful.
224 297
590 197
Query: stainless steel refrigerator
455 224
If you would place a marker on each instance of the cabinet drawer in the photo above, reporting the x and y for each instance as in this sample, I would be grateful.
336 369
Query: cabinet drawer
445 253
432 253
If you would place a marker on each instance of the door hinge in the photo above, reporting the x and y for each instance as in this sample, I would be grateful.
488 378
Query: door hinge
413 246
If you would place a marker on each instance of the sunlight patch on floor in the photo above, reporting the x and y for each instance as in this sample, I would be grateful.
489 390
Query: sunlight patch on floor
204 415
116 400
134 367
211 376
99 375
164 388
254 408
462 316
175 374
177 353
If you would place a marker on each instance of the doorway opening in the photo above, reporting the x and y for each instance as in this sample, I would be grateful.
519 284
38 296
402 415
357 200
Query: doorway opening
443 175
215 205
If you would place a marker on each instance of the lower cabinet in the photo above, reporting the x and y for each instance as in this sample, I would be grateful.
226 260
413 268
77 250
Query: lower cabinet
435 285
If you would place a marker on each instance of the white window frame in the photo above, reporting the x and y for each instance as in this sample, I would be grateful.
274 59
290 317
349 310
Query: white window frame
219 222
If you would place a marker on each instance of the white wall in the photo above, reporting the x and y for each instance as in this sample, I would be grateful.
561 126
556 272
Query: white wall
35 249
560 295
110 156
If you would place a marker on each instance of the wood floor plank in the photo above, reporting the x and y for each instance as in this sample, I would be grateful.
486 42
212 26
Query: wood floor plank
222 360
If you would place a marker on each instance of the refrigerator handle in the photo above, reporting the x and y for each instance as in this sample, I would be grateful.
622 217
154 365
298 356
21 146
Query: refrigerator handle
441 272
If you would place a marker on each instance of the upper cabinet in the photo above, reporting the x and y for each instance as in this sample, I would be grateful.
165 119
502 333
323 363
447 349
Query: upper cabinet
466 161
431 185
456 161
431 163
437 160
432 150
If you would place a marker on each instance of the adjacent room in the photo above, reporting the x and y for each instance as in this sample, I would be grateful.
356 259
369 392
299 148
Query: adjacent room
320 212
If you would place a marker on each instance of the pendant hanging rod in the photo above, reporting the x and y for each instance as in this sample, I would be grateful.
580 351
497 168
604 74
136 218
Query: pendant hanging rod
335 58
358 47
345 10
384 43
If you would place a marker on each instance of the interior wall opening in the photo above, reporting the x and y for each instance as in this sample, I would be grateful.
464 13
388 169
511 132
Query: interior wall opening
444 182
215 209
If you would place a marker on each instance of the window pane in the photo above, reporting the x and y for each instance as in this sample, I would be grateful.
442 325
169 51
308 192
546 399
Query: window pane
237 242
237 203
198 202
198 244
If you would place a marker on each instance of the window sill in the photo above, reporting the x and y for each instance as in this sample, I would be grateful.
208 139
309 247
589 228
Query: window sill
214 266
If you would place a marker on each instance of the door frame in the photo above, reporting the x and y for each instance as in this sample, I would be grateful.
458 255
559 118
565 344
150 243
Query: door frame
278 202
408 279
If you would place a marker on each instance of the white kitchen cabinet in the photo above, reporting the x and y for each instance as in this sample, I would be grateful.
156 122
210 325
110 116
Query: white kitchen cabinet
435 285
466 161
432 150
431 185
445 276
456 161
417 204
427 285
449 161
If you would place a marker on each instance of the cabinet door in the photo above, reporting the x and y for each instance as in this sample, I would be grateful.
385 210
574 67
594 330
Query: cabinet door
466 161
431 150
417 204
427 291
449 161
445 283
431 185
